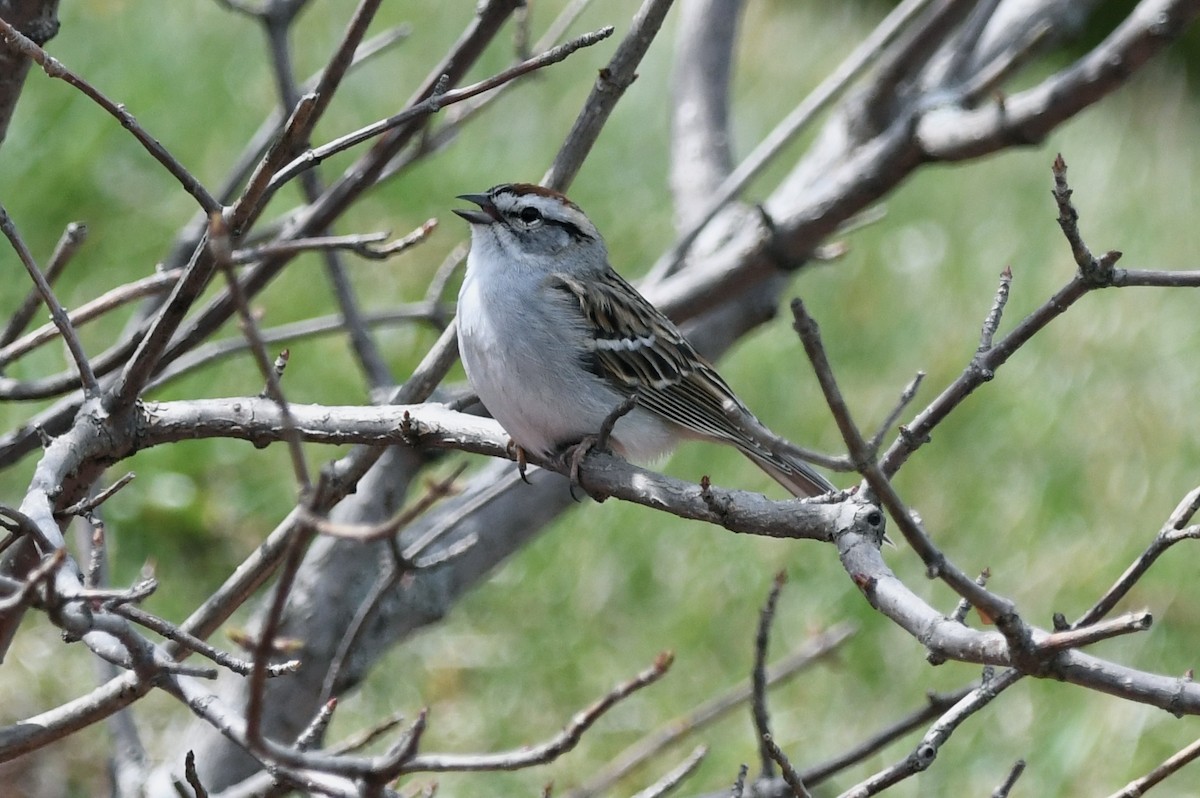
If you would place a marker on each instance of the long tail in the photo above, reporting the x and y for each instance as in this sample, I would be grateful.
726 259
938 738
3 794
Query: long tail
798 477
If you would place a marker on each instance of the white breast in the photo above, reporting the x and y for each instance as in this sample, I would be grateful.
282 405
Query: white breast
525 367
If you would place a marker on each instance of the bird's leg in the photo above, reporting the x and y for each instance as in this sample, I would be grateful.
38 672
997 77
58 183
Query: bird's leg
575 453
610 421
519 455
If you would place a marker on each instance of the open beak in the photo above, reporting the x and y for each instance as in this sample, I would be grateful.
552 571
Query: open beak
487 213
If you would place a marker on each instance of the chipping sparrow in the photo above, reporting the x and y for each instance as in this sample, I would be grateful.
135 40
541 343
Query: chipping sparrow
554 340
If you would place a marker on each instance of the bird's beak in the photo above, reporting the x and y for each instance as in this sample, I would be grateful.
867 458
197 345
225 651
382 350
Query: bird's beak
487 213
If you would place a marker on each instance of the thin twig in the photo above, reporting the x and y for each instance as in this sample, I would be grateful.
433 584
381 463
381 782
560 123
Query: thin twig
739 784
935 705
192 643
758 676
147 286
366 245
432 104
927 750
97 571
402 751
280 150
1093 633
314 732
367 736
610 85
1097 272
44 570
790 776
435 492
674 777
266 636
906 397
62 321
87 505
671 732
18 42
445 272
1171 765
992 322
846 73
69 242
192 776
1165 539
219 244
548 750
1005 787
964 606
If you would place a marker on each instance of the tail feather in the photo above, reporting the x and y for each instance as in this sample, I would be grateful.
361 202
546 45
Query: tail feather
799 478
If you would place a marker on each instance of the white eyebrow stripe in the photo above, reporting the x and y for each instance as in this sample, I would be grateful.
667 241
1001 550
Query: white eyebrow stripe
626 344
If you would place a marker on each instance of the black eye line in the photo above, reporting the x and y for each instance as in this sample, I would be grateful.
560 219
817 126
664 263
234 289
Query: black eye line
572 229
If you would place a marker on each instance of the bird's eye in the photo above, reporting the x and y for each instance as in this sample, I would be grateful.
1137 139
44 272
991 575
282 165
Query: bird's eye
530 215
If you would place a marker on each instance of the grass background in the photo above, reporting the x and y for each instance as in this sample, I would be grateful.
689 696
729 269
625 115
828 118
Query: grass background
1055 475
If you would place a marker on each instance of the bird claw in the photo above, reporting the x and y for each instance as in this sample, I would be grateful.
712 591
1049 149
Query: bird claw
573 456
518 454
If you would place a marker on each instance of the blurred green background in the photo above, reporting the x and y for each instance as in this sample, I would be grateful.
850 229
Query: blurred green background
1054 476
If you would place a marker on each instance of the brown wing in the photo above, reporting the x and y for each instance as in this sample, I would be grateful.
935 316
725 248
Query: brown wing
639 350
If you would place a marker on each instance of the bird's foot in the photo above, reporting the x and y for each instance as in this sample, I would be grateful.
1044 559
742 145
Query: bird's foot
518 454
573 456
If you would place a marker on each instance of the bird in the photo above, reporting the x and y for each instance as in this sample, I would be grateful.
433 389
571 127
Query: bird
555 342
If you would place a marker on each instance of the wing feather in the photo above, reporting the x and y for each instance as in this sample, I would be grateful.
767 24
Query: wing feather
640 351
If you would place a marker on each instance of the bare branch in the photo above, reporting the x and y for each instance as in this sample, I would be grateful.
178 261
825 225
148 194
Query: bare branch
952 132
218 238
1167 537
814 650
58 313
1094 633
926 752
193 778
321 325
936 704
674 777
193 643
438 99
766 151
365 245
97 307
701 155
758 678
24 591
790 776
739 784
1138 787
550 749
71 240
610 85
14 40
1010 781
992 322
260 420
